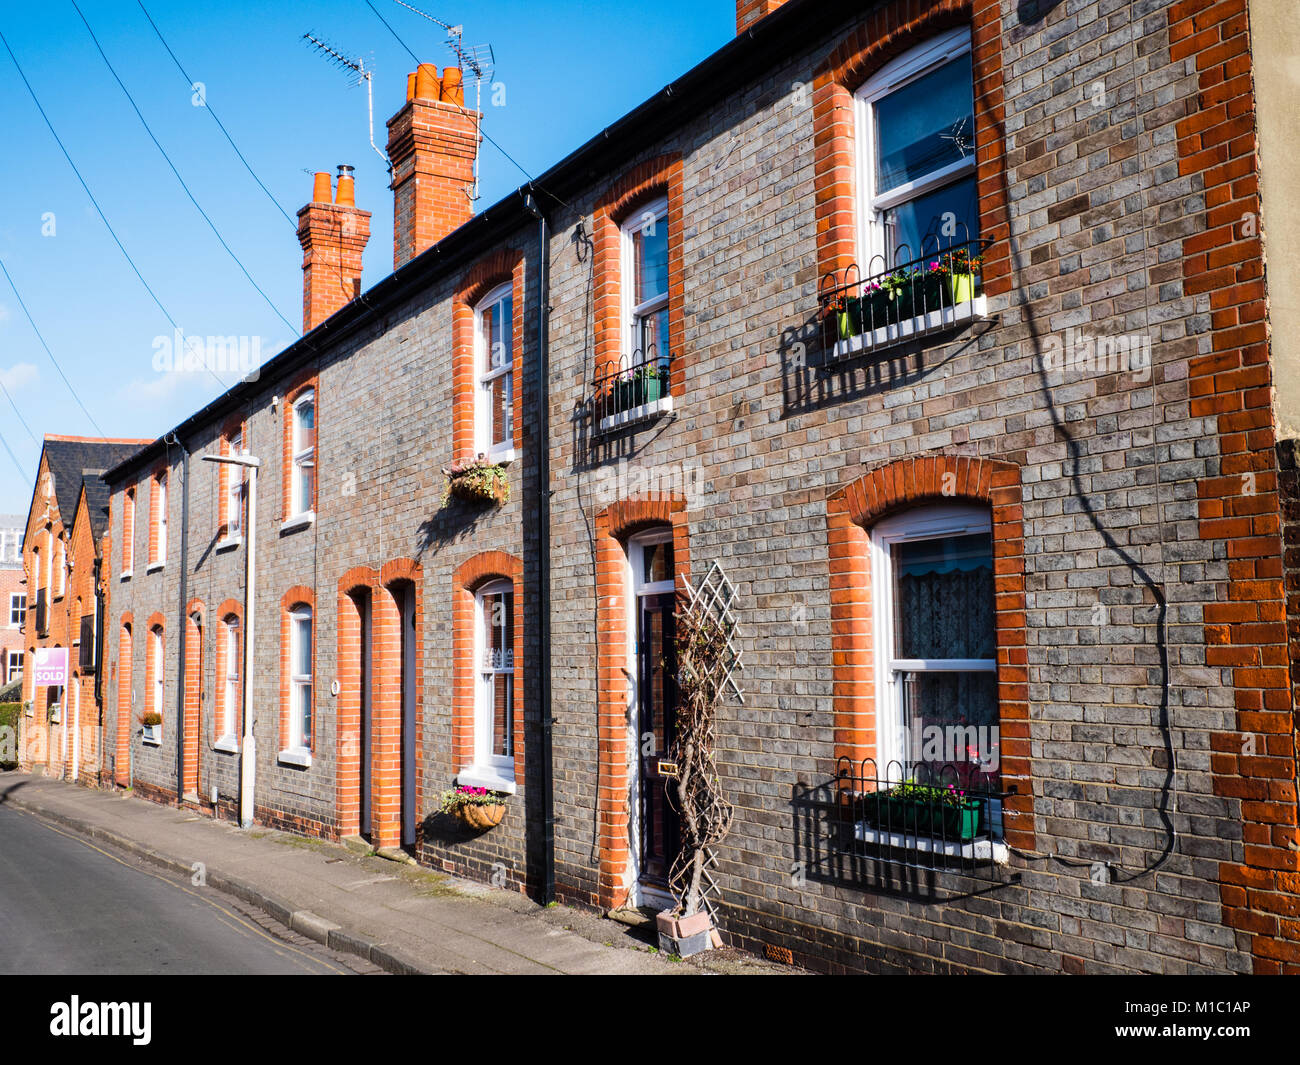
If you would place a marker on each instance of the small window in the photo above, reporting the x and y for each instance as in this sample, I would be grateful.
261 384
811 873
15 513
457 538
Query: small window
14 668
160 517
645 288
60 566
233 503
917 154
156 693
128 531
228 677
494 739
17 608
300 678
495 360
937 682
304 452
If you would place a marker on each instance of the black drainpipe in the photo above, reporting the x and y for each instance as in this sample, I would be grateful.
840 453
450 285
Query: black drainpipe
543 450
184 467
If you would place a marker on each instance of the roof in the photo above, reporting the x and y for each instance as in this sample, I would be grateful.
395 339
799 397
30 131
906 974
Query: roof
74 459
769 42
97 495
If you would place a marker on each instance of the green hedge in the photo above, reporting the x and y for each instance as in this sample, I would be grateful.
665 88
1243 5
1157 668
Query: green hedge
11 715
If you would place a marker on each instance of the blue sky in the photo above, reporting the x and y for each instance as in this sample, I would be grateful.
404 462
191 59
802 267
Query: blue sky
568 69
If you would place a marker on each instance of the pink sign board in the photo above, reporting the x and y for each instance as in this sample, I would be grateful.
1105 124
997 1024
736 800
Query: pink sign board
51 667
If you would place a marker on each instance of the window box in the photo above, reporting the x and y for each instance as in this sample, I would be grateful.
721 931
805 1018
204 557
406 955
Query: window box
478 480
640 392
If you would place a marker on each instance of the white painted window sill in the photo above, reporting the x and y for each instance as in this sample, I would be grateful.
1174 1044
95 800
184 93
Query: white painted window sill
154 567
126 575
298 756
662 405
298 521
503 457
152 738
486 777
228 743
230 544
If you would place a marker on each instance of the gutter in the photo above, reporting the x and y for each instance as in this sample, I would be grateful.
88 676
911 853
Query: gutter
543 450
183 615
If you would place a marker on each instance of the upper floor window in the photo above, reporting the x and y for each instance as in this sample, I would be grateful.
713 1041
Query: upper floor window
916 138
934 611
128 531
300 678
158 536
17 608
645 286
494 741
60 566
232 501
303 449
494 360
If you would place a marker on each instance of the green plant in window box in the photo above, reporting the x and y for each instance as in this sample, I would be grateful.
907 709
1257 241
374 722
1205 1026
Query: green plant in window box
947 812
645 384
476 480
963 266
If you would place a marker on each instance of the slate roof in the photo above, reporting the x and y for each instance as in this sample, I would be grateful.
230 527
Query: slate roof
73 460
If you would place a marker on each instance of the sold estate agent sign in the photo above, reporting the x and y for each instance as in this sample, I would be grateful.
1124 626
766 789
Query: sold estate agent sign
51 667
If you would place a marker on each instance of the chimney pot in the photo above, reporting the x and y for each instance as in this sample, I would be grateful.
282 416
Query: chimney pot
322 191
346 195
453 86
427 86
410 86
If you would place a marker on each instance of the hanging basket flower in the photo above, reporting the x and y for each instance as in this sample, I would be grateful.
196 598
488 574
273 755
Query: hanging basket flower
478 808
476 480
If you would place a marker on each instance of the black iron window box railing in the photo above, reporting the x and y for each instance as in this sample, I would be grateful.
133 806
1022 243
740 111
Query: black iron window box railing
946 817
938 291
638 389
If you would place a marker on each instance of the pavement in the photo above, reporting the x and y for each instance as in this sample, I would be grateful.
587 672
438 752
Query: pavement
395 916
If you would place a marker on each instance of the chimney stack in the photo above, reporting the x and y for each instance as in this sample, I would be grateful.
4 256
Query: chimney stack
750 11
432 142
333 234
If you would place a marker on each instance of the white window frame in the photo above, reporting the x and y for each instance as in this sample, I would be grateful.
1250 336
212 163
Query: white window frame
298 751
17 605
12 671
157 696
228 675
485 374
304 458
160 516
490 770
920 523
128 542
60 569
235 489
889 79
633 313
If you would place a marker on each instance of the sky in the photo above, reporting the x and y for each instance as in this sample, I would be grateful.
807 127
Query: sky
563 71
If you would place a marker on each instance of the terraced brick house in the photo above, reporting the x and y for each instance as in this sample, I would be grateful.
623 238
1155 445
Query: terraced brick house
942 327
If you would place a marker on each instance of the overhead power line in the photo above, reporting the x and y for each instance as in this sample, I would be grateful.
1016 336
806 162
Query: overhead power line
94 202
220 125
32 321
197 206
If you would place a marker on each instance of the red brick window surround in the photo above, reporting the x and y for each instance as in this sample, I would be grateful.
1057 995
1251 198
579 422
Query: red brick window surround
155 677
125 672
615 527
646 202
227 717
297 676
195 623
487 341
231 484
950 482
488 671
158 517
886 34
300 453
128 530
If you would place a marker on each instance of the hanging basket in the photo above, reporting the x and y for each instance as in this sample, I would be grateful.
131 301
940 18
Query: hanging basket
476 481
481 818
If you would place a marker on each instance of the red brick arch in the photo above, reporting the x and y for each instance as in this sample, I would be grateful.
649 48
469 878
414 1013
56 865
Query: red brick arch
614 525
661 176
501 266
469 577
888 31
850 513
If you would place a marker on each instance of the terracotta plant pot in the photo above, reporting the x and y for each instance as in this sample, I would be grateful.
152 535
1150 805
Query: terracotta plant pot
683 927
481 818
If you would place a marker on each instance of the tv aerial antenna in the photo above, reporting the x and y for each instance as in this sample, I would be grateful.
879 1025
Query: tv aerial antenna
359 73
479 61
